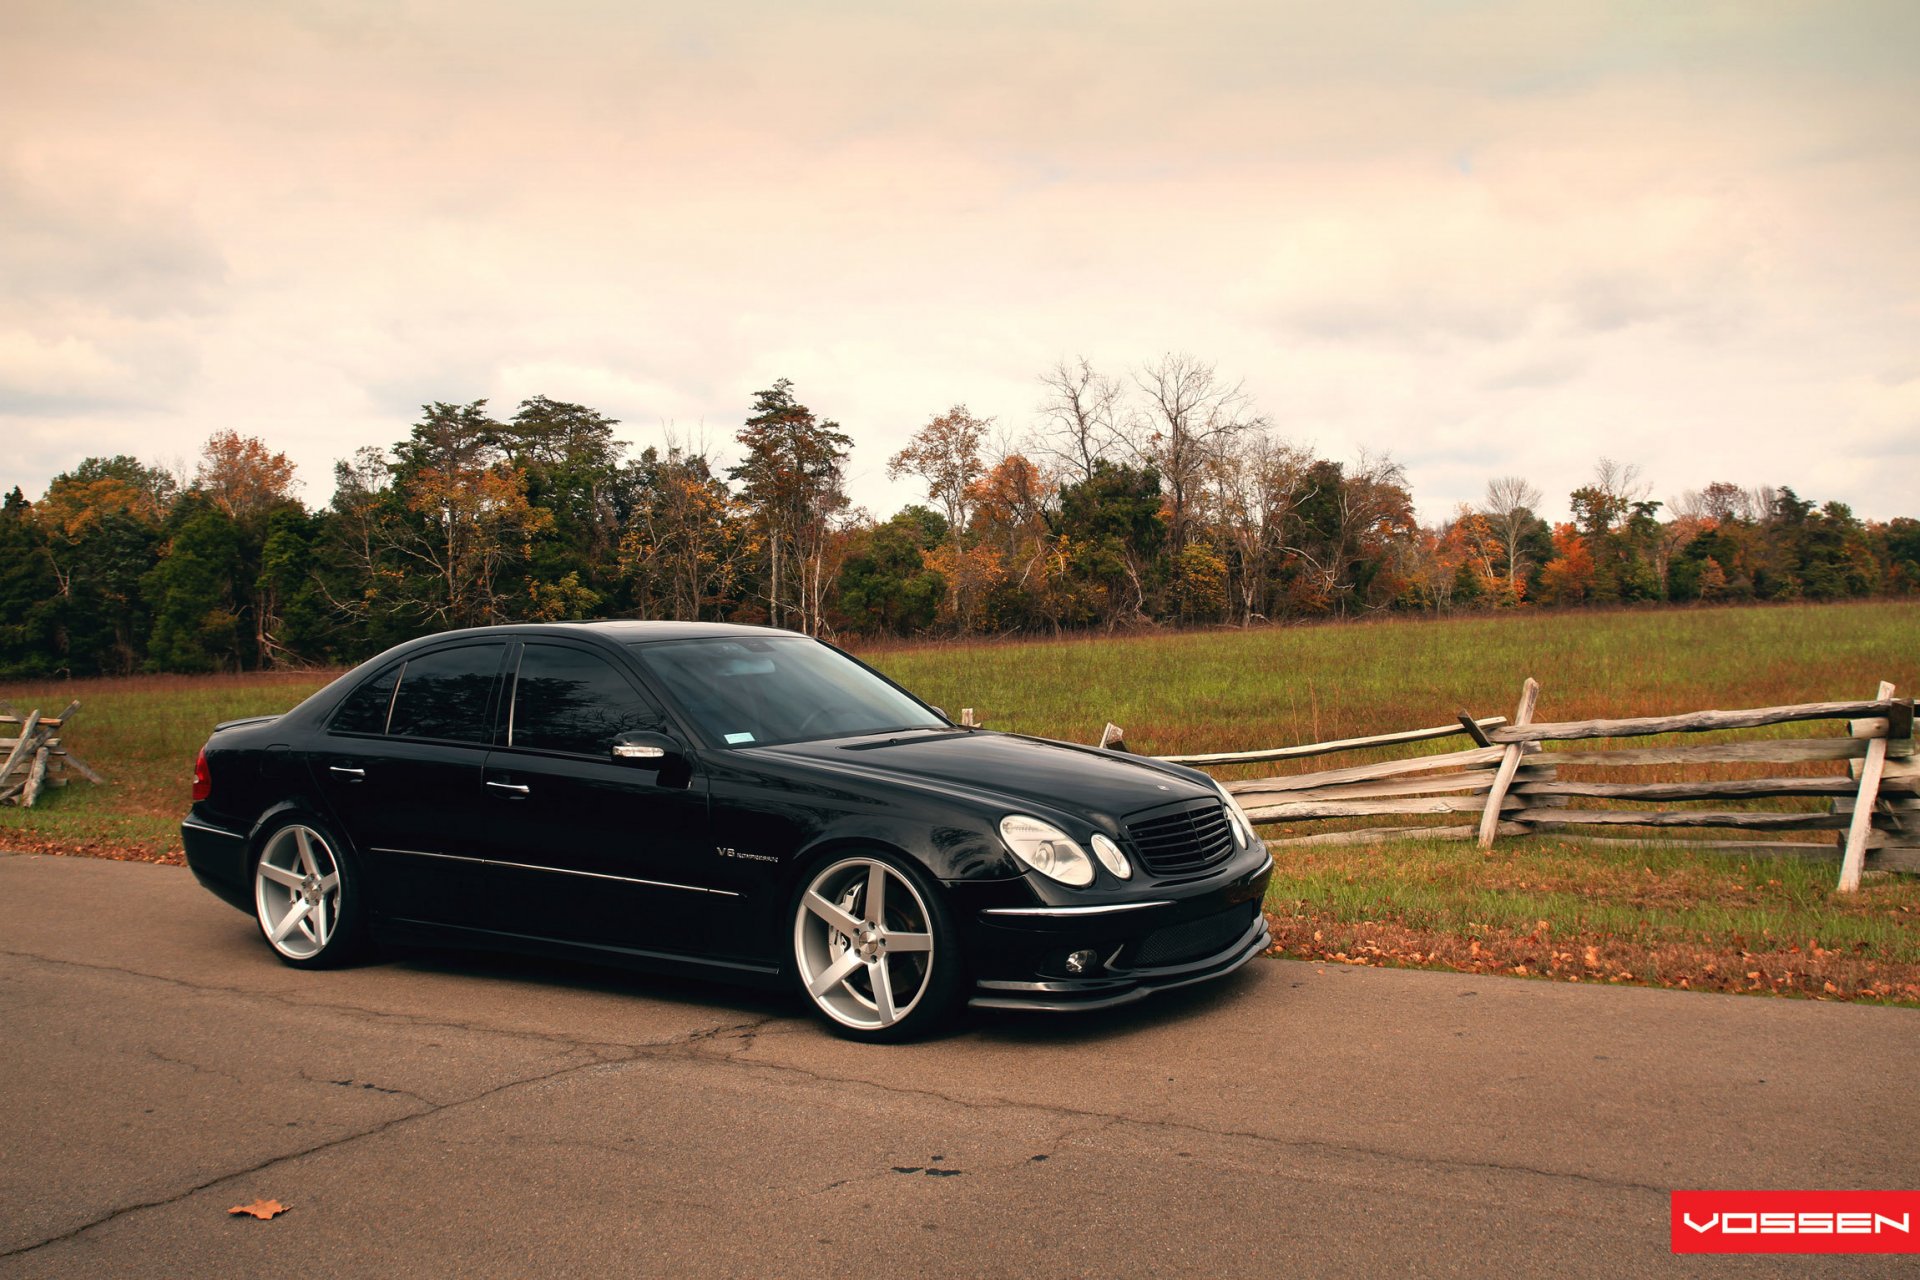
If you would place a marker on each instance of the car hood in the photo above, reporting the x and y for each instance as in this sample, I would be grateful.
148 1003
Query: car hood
1034 771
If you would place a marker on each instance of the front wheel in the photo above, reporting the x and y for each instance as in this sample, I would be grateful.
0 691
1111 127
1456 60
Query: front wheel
307 899
874 950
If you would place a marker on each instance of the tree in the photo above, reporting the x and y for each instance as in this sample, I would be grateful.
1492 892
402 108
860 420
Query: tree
793 481
1085 417
192 590
239 475
1191 414
1510 504
885 584
1347 530
685 546
28 592
1568 578
945 454
1108 532
571 462
1257 482
101 522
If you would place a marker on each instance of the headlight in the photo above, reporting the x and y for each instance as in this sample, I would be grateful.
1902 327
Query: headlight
1111 858
1047 849
1236 818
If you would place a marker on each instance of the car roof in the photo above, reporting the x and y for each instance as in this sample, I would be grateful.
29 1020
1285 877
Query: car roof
619 631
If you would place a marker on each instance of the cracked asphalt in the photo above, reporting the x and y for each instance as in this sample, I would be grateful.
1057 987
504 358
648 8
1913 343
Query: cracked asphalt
440 1114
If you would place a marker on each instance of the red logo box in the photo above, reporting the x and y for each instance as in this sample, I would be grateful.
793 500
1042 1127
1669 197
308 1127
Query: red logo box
1796 1221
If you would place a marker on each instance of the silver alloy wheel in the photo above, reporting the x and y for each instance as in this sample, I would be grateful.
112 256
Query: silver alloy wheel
296 891
863 939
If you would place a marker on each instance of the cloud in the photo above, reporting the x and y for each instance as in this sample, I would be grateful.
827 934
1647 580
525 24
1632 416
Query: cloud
1502 235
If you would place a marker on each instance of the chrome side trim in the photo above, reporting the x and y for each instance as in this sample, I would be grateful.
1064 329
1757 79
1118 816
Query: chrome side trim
1107 909
422 853
563 871
213 831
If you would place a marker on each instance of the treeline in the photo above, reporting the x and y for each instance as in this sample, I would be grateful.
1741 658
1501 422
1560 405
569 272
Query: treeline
1164 498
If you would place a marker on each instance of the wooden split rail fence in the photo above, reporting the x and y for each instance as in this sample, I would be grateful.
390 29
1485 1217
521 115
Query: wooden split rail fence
33 756
1509 784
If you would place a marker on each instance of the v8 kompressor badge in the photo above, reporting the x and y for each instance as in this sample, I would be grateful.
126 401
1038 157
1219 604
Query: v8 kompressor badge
728 851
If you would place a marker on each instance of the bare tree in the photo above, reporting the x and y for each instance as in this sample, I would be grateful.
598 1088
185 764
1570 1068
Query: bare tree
1192 414
1086 417
1257 481
1512 507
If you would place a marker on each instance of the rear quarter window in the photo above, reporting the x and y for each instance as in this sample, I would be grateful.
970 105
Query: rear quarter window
366 708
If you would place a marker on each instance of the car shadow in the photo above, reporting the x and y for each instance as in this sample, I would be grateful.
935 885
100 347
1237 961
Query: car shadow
999 1026
589 978
1164 1008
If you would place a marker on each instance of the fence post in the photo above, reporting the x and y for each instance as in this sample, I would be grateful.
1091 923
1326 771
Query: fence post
1855 858
1509 765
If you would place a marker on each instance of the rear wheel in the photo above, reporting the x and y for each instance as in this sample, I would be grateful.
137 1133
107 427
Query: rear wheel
874 950
307 898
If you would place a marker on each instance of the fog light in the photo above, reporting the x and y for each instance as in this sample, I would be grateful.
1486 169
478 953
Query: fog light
1081 961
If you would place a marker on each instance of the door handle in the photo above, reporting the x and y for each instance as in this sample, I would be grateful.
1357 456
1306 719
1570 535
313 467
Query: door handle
512 788
350 774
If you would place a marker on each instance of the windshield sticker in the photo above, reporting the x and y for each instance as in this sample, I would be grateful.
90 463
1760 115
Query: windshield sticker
735 739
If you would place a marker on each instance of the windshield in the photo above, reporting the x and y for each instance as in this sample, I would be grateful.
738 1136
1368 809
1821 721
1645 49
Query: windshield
750 691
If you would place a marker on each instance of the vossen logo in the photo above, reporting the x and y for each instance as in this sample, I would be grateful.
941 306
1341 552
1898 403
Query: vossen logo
1803 1224
1794 1221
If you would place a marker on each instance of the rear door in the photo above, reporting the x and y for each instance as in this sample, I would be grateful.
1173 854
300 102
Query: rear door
587 849
402 767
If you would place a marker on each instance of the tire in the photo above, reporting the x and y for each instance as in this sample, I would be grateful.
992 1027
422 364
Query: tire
307 898
882 980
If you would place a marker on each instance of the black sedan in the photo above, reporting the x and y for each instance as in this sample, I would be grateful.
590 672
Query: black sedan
722 800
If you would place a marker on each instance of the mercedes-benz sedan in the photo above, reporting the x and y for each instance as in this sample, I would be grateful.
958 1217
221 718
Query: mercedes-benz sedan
723 800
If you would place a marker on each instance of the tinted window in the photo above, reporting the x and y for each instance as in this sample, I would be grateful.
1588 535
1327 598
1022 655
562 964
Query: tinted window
445 694
570 700
365 710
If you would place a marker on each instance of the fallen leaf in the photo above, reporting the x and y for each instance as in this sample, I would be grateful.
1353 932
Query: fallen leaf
261 1209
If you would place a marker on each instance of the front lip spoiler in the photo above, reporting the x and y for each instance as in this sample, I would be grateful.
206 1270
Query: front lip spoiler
1121 988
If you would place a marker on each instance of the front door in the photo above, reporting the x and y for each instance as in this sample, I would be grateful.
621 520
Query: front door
584 848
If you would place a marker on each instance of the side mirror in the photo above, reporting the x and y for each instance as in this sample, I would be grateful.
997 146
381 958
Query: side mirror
942 713
647 750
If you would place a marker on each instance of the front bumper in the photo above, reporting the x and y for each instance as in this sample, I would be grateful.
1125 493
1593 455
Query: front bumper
1161 941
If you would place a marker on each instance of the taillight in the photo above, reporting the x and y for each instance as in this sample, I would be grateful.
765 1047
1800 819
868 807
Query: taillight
202 777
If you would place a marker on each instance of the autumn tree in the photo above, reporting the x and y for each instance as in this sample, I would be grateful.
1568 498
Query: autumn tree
1568 578
945 455
793 481
438 533
241 476
685 547
101 522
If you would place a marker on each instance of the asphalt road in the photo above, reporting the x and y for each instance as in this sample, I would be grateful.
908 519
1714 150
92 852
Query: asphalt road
447 1114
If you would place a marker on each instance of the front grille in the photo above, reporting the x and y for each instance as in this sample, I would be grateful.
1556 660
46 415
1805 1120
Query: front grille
1182 840
1195 939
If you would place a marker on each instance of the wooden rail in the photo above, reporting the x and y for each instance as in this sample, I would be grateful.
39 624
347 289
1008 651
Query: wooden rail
35 757
1515 785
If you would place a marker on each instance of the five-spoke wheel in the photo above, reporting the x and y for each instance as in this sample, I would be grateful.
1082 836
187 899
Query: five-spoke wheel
873 950
301 895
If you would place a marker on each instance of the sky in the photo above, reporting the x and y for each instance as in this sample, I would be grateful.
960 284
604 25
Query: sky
1480 238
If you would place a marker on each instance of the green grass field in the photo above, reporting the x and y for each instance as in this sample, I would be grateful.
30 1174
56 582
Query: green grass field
1537 905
